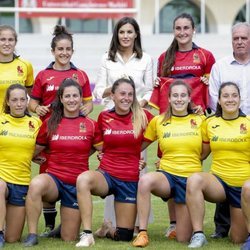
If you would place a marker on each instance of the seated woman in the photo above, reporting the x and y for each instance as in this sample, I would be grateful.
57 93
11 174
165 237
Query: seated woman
18 131
69 137
122 129
227 135
179 135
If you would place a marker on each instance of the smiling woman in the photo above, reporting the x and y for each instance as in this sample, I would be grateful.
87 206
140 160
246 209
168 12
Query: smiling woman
17 144
13 69
47 82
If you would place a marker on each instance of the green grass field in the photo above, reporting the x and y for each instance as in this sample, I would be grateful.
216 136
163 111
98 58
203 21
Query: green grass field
156 229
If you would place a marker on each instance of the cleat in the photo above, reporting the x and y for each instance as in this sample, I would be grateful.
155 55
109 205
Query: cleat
86 240
104 229
171 232
197 240
31 240
141 240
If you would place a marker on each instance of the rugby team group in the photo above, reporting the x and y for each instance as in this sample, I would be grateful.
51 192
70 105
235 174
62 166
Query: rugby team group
203 109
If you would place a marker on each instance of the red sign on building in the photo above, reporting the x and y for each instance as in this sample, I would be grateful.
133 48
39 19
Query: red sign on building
78 4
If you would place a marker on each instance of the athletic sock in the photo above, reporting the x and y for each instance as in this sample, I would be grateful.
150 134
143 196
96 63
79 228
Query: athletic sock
196 232
50 217
87 231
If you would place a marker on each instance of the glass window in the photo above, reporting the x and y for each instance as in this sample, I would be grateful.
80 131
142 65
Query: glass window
87 25
175 8
241 17
8 18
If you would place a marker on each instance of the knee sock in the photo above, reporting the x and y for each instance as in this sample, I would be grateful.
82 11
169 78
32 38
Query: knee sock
50 217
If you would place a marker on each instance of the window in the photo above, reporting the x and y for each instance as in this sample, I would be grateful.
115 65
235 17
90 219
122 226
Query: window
87 25
175 8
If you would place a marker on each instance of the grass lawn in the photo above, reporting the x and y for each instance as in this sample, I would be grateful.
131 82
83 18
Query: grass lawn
155 230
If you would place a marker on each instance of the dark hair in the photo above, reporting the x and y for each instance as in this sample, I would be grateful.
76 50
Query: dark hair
57 106
168 113
6 107
60 32
8 27
139 118
173 48
218 111
114 44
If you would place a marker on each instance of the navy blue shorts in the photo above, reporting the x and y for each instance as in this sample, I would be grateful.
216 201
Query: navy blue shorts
67 193
124 191
233 194
17 194
178 187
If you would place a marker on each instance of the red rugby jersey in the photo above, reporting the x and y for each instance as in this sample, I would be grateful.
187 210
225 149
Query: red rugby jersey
47 83
196 62
159 97
121 150
69 146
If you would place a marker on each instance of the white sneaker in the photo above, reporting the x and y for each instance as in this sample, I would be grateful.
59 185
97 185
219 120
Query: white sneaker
86 240
197 240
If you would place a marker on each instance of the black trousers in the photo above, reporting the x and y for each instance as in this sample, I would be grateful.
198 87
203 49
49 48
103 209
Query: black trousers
222 218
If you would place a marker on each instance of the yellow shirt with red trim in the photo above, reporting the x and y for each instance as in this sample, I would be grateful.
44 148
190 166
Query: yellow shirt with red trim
230 146
180 142
17 144
17 71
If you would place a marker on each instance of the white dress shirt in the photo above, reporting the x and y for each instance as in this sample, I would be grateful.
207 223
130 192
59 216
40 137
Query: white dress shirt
141 70
228 69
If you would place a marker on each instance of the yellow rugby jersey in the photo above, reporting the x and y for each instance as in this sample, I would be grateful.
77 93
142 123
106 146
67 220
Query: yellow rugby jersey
230 147
180 142
18 71
17 144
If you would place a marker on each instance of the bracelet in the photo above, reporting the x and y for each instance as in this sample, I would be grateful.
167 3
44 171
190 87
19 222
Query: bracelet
36 108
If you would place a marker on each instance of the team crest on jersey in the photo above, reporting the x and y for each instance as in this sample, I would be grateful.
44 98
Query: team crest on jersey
19 70
50 87
243 128
31 126
196 58
193 123
82 127
75 77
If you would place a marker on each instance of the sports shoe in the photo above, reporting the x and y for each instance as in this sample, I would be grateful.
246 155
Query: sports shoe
197 240
46 232
104 229
218 235
141 240
246 245
171 232
86 240
55 233
2 241
31 240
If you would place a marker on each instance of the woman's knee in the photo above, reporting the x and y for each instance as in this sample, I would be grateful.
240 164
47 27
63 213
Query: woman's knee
146 183
246 191
3 188
84 181
194 182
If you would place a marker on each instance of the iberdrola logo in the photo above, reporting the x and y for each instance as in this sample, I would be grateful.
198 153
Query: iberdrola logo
243 128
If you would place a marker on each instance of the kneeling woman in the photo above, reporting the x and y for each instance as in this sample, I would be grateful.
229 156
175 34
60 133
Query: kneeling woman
179 135
69 138
18 131
122 129
227 135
